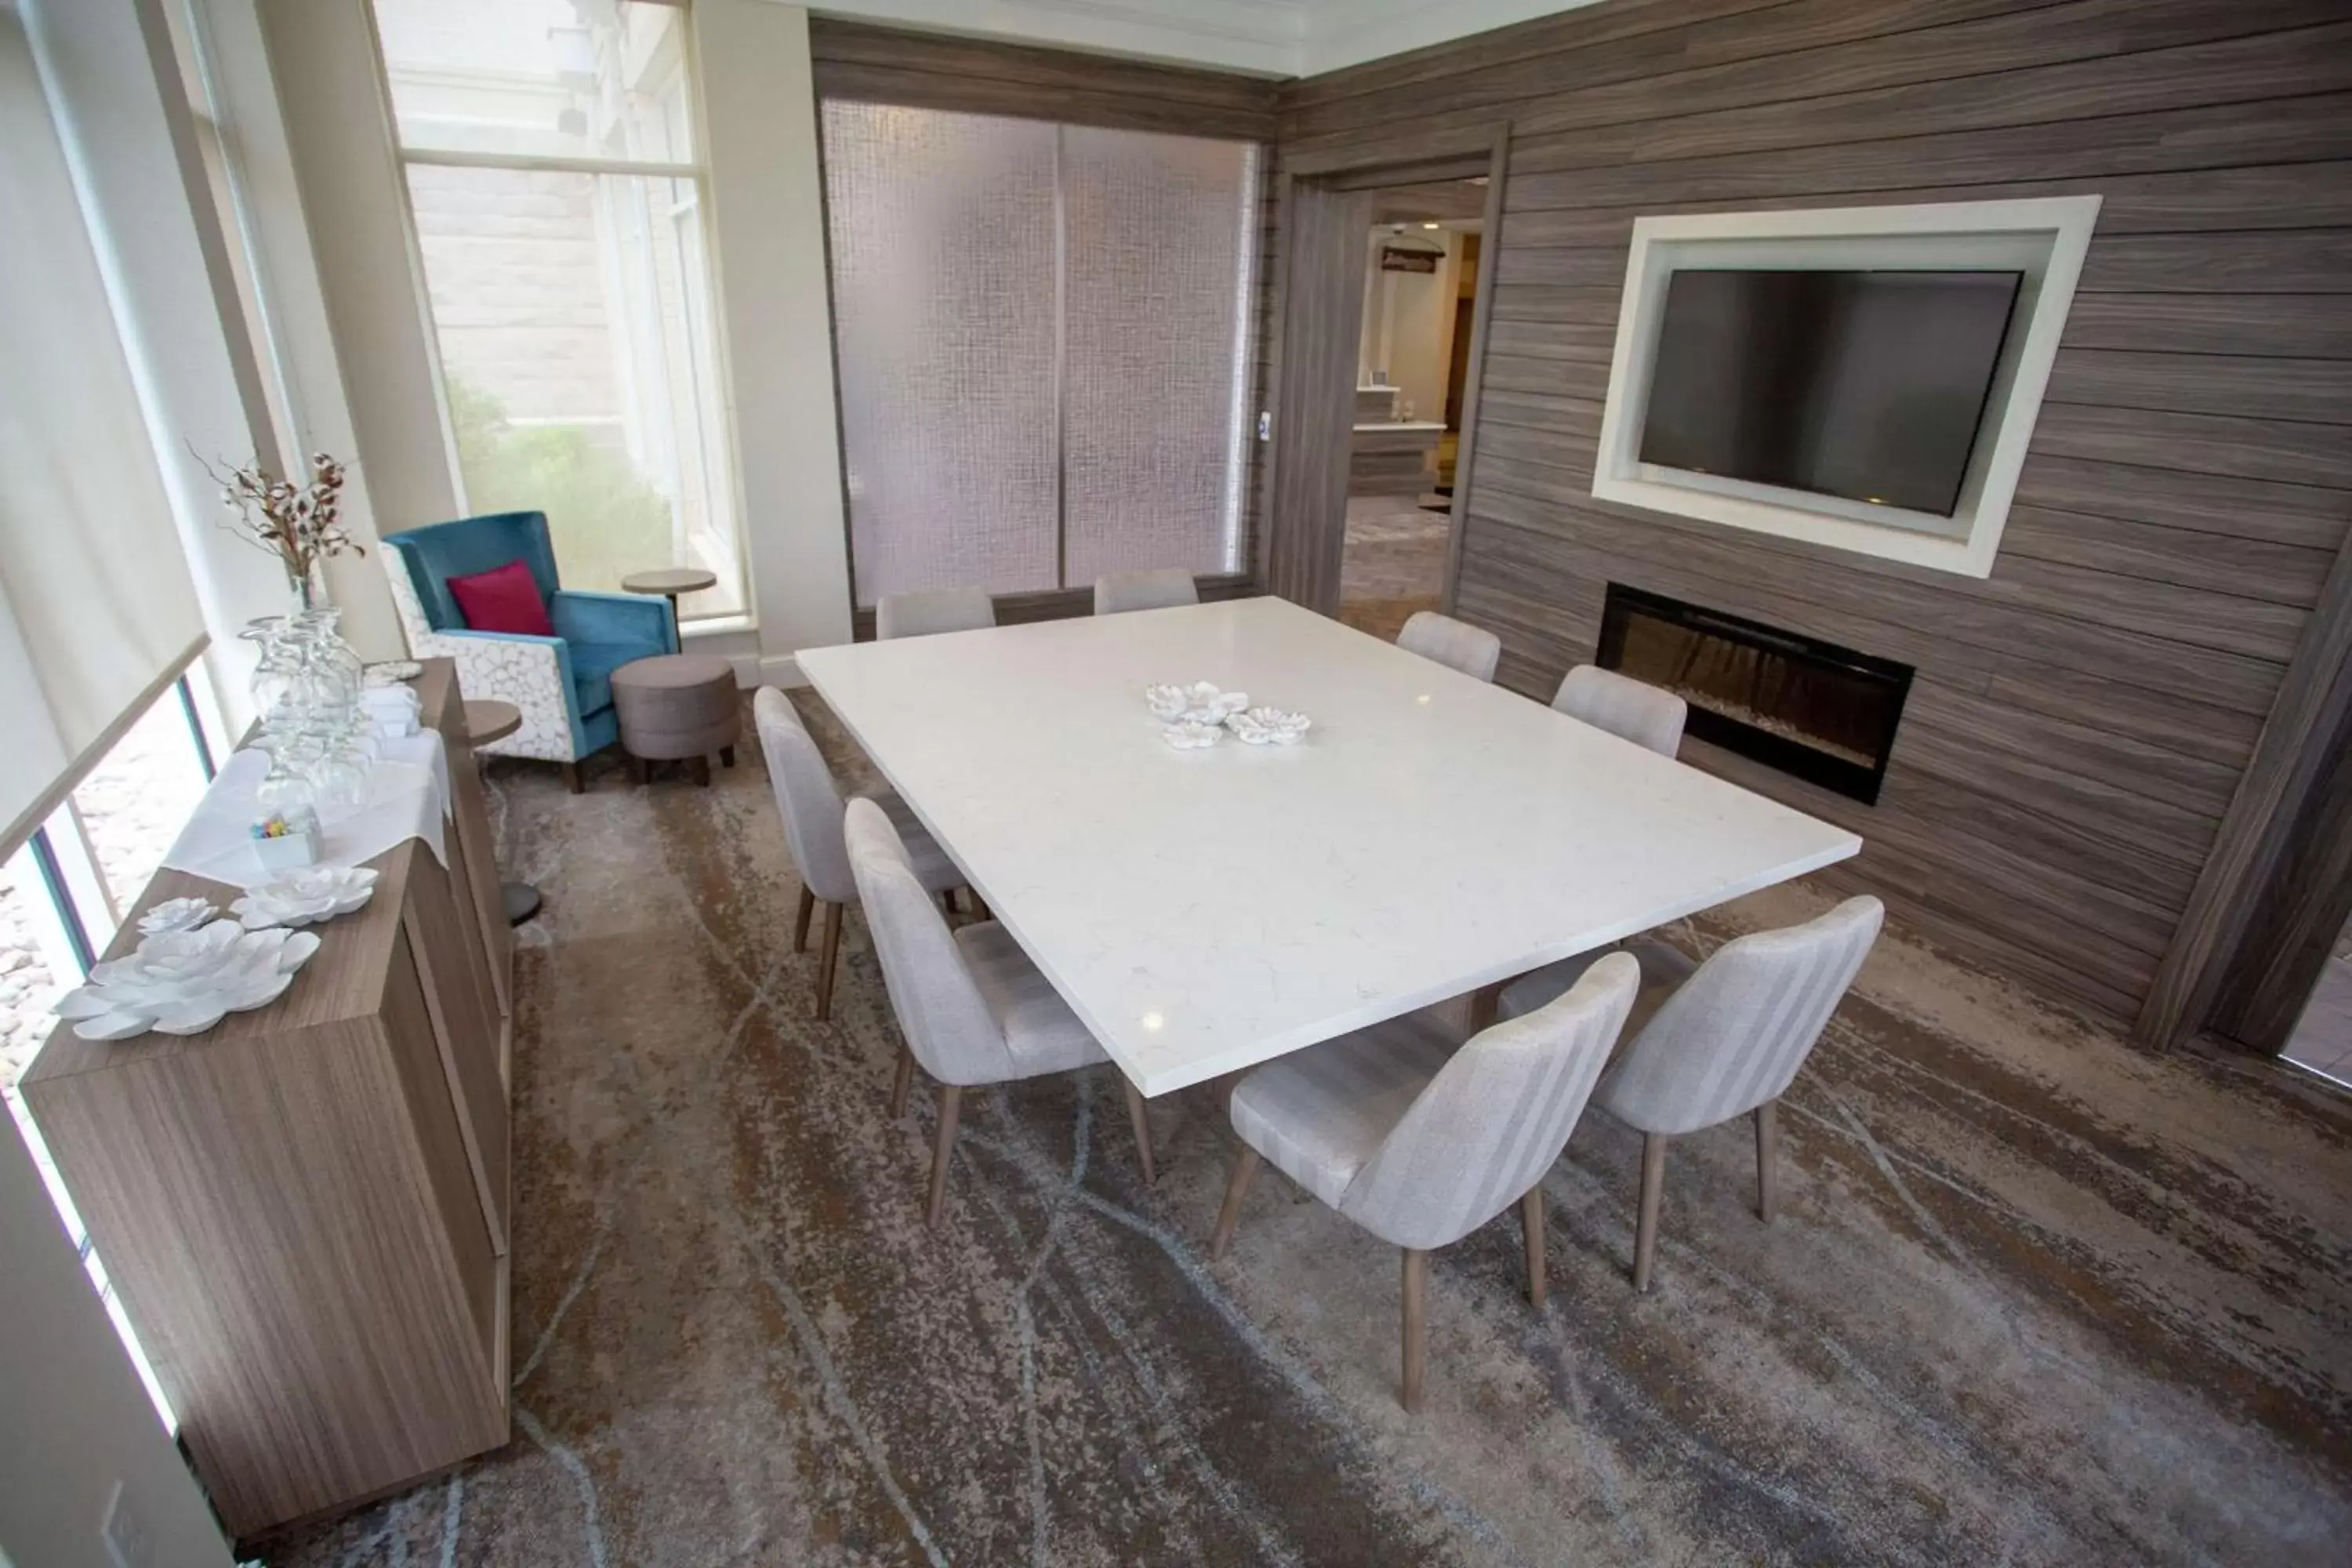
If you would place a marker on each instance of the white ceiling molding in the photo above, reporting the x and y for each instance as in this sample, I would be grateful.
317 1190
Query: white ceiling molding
1269 38
1350 32
1264 37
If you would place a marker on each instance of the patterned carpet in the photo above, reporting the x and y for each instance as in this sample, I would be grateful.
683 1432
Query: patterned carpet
2032 1297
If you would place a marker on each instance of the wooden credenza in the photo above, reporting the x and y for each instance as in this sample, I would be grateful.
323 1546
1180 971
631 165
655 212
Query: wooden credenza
304 1210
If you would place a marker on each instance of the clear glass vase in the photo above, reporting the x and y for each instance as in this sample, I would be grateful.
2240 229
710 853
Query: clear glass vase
310 587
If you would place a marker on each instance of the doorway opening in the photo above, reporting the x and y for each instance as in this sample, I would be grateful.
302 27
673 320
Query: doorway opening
1413 359
2322 1039
1382 311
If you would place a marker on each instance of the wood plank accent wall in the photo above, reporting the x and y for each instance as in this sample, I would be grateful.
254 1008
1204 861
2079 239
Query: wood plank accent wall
981 75
2082 719
1315 403
866 64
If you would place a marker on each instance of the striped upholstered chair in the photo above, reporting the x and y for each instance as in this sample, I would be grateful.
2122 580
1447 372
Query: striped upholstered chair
970 1006
1472 650
1115 593
809 800
1421 1143
923 612
1725 1040
1628 708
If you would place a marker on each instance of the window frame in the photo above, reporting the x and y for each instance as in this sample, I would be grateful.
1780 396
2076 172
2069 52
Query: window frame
68 875
718 422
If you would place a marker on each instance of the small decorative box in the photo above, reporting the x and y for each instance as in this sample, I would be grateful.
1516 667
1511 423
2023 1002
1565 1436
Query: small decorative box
283 846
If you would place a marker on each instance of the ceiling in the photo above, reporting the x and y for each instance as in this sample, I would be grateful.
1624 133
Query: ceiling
1271 37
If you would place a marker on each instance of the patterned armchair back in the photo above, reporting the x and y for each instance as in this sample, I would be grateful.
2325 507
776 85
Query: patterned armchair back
436 553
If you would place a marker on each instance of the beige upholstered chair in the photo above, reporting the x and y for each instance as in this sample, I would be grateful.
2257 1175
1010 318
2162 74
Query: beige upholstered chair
1727 1041
811 804
934 610
1118 590
1421 1143
1458 644
972 1007
1630 709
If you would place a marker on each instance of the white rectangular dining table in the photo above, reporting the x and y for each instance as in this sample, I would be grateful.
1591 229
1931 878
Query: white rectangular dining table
1206 911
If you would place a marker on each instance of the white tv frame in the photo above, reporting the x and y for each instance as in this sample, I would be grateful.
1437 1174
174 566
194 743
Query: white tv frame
2043 238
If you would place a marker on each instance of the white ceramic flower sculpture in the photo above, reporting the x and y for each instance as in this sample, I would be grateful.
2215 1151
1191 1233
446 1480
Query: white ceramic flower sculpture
185 982
1190 735
1269 726
300 896
176 914
1201 702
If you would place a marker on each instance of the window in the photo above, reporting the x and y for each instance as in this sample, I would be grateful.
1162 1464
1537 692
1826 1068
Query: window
1044 336
556 189
61 899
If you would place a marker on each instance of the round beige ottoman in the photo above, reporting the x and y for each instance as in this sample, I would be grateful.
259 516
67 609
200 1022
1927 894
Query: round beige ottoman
679 707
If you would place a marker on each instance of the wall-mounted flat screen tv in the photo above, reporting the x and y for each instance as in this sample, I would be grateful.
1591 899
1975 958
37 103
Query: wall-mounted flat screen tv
1869 385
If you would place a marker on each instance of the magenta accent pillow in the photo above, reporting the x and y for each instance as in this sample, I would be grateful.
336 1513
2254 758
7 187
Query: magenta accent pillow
505 599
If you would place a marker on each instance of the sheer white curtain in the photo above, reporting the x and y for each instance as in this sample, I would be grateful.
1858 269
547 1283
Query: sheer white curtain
97 610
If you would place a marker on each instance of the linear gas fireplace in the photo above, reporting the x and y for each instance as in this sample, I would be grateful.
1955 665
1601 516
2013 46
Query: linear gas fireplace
1823 713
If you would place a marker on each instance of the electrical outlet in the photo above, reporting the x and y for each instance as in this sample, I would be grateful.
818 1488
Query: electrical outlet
128 1543
1265 426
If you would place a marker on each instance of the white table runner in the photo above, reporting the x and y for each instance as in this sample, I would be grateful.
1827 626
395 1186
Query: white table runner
408 796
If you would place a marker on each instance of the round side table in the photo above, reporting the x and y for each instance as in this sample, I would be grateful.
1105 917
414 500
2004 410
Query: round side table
488 720
670 582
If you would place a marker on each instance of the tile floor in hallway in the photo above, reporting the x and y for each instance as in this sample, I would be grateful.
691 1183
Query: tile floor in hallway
1393 562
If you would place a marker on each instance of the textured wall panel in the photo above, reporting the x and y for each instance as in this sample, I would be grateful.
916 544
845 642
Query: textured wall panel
942 228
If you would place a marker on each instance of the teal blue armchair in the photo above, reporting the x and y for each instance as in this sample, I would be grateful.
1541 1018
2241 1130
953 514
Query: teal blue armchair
563 683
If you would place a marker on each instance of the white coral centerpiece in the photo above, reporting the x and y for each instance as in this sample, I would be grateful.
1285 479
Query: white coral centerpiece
1200 703
1269 726
185 982
311 893
176 914
1190 735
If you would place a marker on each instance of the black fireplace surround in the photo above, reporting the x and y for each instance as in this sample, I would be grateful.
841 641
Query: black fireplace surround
1823 713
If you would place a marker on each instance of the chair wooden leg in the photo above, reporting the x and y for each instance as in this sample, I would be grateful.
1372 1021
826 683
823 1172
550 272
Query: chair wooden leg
1531 1229
1142 1125
946 902
726 756
980 907
702 772
1230 1215
800 921
572 780
1416 1325
950 1103
900 1081
1767 1156
1654 1186
1485 1005
828 960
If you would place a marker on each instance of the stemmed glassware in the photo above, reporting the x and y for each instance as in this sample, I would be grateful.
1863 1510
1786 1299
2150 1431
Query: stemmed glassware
307 690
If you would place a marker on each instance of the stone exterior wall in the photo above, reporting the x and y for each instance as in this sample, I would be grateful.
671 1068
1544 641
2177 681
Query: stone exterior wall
514 266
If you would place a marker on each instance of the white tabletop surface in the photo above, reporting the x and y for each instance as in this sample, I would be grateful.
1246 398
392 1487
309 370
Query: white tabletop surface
1205 911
